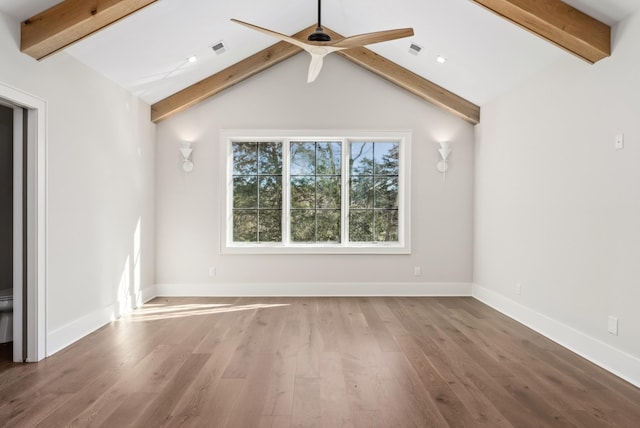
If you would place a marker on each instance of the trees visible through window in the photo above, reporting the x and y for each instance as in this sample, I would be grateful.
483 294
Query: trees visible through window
373 190
316 190
257 192
317 193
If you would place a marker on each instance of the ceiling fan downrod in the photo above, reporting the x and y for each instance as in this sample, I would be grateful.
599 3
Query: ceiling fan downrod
319 35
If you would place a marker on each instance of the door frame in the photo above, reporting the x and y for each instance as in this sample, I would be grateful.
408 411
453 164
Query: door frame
34 300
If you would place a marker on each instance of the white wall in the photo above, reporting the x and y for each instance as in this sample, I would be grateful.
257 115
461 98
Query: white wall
557 208
344 97
100 186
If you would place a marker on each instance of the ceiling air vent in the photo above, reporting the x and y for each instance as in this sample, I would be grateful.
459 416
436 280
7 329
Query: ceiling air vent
219 48
414 49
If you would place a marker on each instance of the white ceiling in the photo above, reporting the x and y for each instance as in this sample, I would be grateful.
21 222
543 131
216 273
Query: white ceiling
147 52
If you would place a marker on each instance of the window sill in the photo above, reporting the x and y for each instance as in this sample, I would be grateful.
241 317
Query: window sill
316 249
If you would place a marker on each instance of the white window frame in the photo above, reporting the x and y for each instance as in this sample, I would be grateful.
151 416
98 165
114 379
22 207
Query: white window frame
229 136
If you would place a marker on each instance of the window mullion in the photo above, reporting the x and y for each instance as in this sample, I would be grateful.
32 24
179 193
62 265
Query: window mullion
229 193
402 174
344 209
258 211
286 192
315 191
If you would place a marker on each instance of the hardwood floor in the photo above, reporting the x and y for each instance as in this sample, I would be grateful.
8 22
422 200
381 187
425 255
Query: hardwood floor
332 362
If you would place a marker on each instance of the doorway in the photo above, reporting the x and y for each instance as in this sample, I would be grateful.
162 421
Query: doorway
28 223
7 230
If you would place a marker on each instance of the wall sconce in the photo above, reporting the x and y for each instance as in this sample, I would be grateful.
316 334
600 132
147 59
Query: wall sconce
443 165
185 151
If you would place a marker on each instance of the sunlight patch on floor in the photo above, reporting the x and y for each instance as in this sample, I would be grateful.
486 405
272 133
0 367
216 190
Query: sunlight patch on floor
155 312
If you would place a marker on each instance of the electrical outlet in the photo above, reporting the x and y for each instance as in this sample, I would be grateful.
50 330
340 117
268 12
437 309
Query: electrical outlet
212 271
619 141
519 289
417 271
612 325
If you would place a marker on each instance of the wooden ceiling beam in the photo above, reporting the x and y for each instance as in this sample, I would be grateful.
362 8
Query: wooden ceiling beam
274 54
411 82
71 21
558 23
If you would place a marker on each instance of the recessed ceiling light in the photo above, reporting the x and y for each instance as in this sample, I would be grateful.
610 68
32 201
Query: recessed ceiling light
441 59
192 59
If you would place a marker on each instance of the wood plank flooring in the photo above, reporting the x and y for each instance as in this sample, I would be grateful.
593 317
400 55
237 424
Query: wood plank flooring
314 362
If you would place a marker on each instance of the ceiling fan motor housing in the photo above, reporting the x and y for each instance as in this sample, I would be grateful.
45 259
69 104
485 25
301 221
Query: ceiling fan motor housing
319 36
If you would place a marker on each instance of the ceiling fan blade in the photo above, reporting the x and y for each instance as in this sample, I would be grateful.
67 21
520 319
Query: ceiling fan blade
317 56
370 38
319 48
275 34
315 66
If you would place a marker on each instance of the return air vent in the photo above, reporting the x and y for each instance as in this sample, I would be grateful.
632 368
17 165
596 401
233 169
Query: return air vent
414 49
219 48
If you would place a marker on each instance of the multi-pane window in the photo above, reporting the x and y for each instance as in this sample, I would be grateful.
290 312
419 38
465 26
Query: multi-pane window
316 189
373 190
257 192
337 194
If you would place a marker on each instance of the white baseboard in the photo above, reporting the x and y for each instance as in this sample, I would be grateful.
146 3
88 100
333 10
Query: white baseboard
64 336
147 294
618 362
315 289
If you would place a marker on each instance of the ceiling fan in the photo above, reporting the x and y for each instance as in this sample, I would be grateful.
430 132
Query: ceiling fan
319 44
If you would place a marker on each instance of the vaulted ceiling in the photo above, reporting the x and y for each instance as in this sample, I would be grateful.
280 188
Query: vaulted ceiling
147 51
